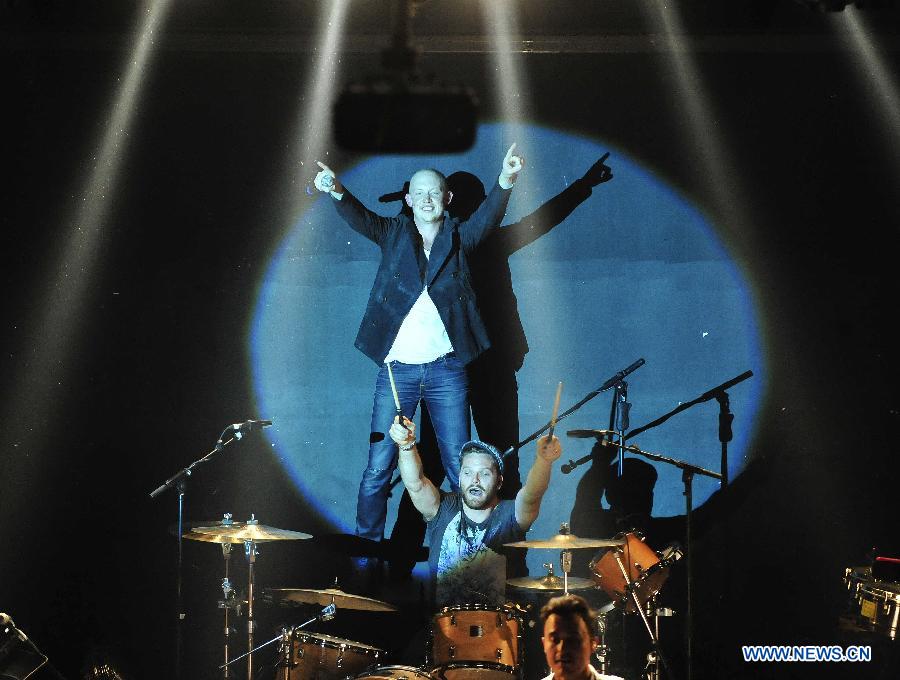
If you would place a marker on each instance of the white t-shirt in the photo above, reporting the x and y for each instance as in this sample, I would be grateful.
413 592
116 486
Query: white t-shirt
597 675
422 336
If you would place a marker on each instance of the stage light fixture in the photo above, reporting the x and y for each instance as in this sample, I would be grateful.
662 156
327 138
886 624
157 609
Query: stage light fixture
402 110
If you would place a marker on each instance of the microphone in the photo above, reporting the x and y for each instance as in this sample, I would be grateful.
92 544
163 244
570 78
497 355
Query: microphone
621 374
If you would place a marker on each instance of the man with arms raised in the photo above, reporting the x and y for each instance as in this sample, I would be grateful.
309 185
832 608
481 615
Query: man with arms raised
467 529
422 318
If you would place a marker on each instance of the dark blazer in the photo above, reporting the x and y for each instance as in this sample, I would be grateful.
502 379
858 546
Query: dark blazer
404 270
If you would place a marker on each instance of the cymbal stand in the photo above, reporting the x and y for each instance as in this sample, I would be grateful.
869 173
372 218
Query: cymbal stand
565 562
228 598
179 481
630 589
602 650
250 552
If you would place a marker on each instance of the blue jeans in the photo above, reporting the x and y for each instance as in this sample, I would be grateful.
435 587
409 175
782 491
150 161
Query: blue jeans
443 385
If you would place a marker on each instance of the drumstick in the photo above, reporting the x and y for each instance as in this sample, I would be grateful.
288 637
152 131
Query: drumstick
396 398
555 411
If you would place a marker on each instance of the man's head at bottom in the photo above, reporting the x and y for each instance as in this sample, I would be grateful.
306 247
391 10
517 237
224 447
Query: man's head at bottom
570 636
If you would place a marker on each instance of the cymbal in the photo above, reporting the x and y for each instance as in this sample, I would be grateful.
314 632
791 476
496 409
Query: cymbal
584 434
550 582
325 597
568 542
238 532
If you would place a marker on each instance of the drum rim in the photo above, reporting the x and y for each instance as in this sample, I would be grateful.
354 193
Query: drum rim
474 607
874 590
418 670
462 663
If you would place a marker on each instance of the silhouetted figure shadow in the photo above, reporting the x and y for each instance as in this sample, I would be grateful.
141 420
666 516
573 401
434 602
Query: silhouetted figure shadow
493 387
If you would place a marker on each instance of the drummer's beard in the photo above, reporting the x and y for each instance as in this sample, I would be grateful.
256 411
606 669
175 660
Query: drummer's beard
478 501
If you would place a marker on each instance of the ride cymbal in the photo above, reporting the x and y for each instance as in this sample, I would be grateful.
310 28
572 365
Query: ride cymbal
239 532
567 542
325 597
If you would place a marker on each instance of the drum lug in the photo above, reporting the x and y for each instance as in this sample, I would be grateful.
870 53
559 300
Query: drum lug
453 619
452 651
499 654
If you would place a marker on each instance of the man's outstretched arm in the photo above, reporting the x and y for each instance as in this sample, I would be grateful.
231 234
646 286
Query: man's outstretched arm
528 500
422 492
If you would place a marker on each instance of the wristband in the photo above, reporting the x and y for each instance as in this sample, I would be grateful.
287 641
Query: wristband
407 447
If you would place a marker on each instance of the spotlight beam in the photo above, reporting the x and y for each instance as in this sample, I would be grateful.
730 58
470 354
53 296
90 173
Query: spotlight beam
874 71
40 385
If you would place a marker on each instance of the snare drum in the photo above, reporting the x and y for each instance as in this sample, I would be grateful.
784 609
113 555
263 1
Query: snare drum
396 673
476 633
314 656
879 606
645 570
474 670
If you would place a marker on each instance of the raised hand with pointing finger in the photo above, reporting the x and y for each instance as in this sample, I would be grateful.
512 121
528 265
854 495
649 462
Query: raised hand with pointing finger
327 181
512 166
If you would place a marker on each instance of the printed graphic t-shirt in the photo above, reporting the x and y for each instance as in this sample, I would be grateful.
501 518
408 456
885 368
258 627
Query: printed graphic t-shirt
467 560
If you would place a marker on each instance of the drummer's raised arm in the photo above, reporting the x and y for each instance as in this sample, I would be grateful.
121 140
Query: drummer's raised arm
422 492
528 500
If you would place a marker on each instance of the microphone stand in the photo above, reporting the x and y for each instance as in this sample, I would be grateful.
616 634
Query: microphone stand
609 384
725 417
687 476
179 481
725 420
618 420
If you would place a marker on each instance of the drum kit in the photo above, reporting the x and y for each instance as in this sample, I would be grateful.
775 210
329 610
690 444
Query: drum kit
465 641
873 597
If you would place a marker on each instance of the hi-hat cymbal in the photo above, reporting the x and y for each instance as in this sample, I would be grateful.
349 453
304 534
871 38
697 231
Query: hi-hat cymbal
568 542
325 597
550 582
239 532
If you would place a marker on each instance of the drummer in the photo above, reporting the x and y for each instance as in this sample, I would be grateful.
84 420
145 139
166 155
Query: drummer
466 530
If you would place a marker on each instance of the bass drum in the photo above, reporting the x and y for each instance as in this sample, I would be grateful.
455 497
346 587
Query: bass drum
396 673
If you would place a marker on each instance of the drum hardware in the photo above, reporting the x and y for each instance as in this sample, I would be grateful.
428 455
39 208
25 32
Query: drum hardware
655 656
602 649
250 533
326 614
178 481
